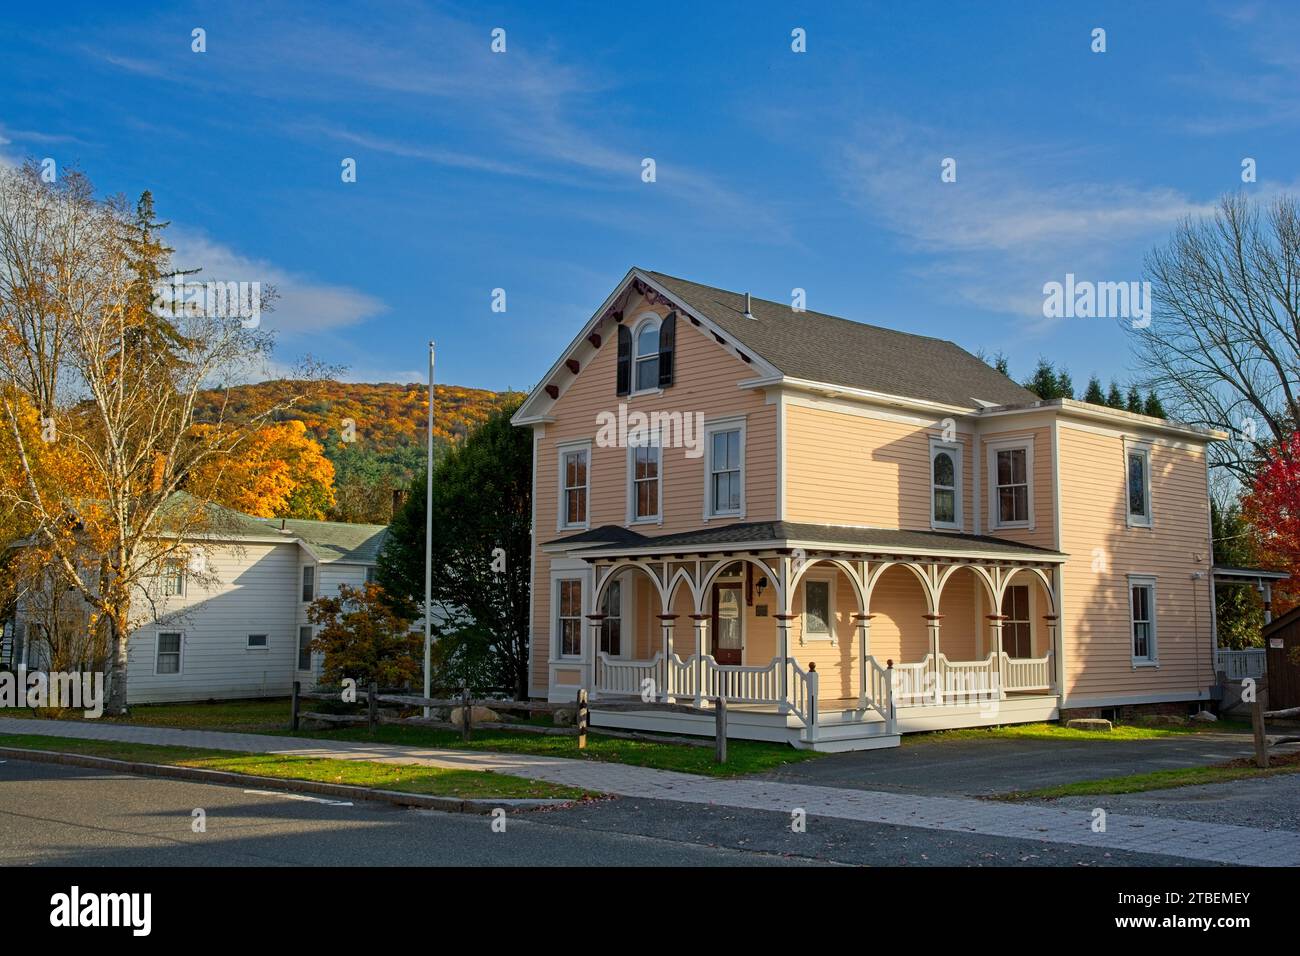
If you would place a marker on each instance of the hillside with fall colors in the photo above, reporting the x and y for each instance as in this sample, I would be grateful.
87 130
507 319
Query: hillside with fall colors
373 434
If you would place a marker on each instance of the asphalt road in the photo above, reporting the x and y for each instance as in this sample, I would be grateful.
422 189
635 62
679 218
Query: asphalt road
56 815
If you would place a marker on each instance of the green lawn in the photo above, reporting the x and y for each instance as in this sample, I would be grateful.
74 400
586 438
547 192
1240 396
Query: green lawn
272 717
1061 732
1162 779
434 781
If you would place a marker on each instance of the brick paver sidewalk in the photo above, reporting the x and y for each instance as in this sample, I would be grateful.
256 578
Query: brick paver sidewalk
1209 842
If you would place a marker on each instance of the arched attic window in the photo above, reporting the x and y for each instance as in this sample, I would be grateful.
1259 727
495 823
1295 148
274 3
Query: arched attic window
645 341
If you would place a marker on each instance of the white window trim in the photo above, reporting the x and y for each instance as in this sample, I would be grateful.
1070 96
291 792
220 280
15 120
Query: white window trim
658 517
180 657
722 425
315 582
647 318
1144 580
178 567
1143 448
955 449
583 637
250 646
1009 444
805 636
563 449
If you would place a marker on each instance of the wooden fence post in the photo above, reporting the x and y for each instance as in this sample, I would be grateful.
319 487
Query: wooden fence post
466 717
1261 740
293 706
372 707
580 718
720 730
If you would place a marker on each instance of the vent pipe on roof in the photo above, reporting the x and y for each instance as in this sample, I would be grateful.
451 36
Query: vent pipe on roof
749 311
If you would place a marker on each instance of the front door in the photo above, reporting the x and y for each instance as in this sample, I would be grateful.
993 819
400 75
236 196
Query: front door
728 637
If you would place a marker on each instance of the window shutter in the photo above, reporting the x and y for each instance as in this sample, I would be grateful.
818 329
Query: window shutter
624 384
667 348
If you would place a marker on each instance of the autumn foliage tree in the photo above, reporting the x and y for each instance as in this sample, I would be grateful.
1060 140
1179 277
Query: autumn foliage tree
362 638
1272 506
281 473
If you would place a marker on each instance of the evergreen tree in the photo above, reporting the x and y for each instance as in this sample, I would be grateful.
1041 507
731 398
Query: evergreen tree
1044 383
1094 395
1064 385
1153 407
1114 397
1134 403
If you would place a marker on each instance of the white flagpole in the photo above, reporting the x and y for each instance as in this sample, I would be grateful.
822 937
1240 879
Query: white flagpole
428 541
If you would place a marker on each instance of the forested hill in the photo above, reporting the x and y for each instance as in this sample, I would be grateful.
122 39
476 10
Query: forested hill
387 422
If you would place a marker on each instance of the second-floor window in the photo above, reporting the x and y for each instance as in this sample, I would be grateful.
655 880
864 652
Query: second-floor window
309 583
1011 467
725 475
573 496
945 486
646 485
1137 461
173 576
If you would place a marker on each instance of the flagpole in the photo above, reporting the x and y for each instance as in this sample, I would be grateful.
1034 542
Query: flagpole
428 541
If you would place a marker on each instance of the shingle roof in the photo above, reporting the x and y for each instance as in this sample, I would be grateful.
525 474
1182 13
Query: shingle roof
336 540
827 348
614 538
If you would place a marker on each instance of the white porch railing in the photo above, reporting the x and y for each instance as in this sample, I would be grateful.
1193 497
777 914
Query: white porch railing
1238 665
922 683
627 678
1027 673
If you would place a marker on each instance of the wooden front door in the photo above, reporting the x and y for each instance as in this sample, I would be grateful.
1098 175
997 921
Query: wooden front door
728 630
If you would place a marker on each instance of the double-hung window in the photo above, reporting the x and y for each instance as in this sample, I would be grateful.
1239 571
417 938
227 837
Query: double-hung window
646 489
574 486
1137 465
304 647
945 485
173 575
725 474
646 362
1011 483
1142 614
309 583
568 616
168 658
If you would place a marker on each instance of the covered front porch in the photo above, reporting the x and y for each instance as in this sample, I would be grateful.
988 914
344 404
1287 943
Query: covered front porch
828 638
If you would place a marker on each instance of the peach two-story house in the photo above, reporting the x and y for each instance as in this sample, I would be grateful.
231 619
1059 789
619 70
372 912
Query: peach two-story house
849 532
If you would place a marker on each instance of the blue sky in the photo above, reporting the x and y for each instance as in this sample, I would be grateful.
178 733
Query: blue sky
775 169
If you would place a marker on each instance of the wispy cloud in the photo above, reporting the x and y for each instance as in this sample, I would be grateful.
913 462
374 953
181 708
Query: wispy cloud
304 307
1010 222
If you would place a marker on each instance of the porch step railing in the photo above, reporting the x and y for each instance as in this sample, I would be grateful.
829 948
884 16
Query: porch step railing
1238 665
803 695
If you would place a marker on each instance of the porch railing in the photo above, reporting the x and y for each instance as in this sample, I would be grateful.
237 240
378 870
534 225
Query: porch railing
803 693
1027 673
627 678
1238 665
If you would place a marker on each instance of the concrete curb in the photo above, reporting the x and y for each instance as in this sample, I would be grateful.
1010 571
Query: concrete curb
225 778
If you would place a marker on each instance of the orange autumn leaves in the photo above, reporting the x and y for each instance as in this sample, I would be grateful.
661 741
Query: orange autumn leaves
278 471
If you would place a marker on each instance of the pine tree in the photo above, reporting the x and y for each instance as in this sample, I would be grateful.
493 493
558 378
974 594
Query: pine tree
1094 395
1153 407
1114 397
1044 383
1064 385
1134 403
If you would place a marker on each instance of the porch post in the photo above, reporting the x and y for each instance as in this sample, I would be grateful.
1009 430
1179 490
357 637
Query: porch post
1051 620
998 621
864 644
667 621
701 634
932 622
597 628
783 649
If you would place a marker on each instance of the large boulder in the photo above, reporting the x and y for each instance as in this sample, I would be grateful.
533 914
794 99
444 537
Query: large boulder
1204 716
562 717
477 715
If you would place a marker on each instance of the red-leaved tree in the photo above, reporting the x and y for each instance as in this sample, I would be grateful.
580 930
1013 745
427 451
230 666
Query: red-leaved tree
1272 506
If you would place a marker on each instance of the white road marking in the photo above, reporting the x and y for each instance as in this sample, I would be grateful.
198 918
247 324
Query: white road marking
300 796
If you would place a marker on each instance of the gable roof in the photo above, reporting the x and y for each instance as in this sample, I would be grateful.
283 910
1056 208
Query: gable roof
824 348
335 540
